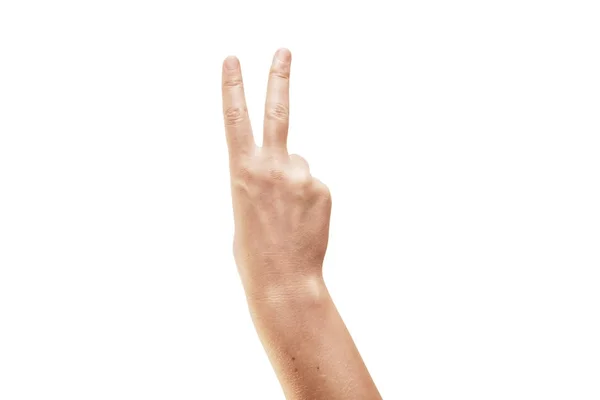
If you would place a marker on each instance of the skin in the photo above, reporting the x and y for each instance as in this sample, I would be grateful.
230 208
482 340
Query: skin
281 216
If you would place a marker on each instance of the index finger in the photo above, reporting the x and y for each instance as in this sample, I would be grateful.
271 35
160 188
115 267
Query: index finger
235 112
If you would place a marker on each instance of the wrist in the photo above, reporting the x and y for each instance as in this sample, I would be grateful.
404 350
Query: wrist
288 291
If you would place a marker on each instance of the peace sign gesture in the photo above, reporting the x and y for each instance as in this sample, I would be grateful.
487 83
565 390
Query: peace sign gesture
281 218
281 212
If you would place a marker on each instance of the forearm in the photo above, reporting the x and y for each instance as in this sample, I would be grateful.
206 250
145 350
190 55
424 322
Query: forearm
308 344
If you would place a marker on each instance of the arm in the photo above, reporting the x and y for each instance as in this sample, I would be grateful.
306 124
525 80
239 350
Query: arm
309 346
281 216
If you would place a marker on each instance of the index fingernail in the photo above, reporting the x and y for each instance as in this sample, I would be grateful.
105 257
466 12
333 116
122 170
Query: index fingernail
231 63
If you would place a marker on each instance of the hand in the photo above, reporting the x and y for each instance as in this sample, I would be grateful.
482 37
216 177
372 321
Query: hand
281 218
281 212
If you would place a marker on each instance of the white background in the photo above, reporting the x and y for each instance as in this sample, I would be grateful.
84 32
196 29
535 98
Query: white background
460 142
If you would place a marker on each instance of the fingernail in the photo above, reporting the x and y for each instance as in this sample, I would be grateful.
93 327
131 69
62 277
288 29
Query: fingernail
283 55
231 63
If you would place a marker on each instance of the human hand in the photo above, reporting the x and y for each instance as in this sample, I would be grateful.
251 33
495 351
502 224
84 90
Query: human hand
281 212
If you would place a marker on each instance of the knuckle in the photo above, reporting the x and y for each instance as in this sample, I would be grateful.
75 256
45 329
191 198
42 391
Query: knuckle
249 170
298 159
245 173
233 82
300 163
234 116
256 173
321 190
276 174
300 179
279 74
278 112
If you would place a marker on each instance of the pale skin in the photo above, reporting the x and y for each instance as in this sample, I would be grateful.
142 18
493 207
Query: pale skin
281 216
